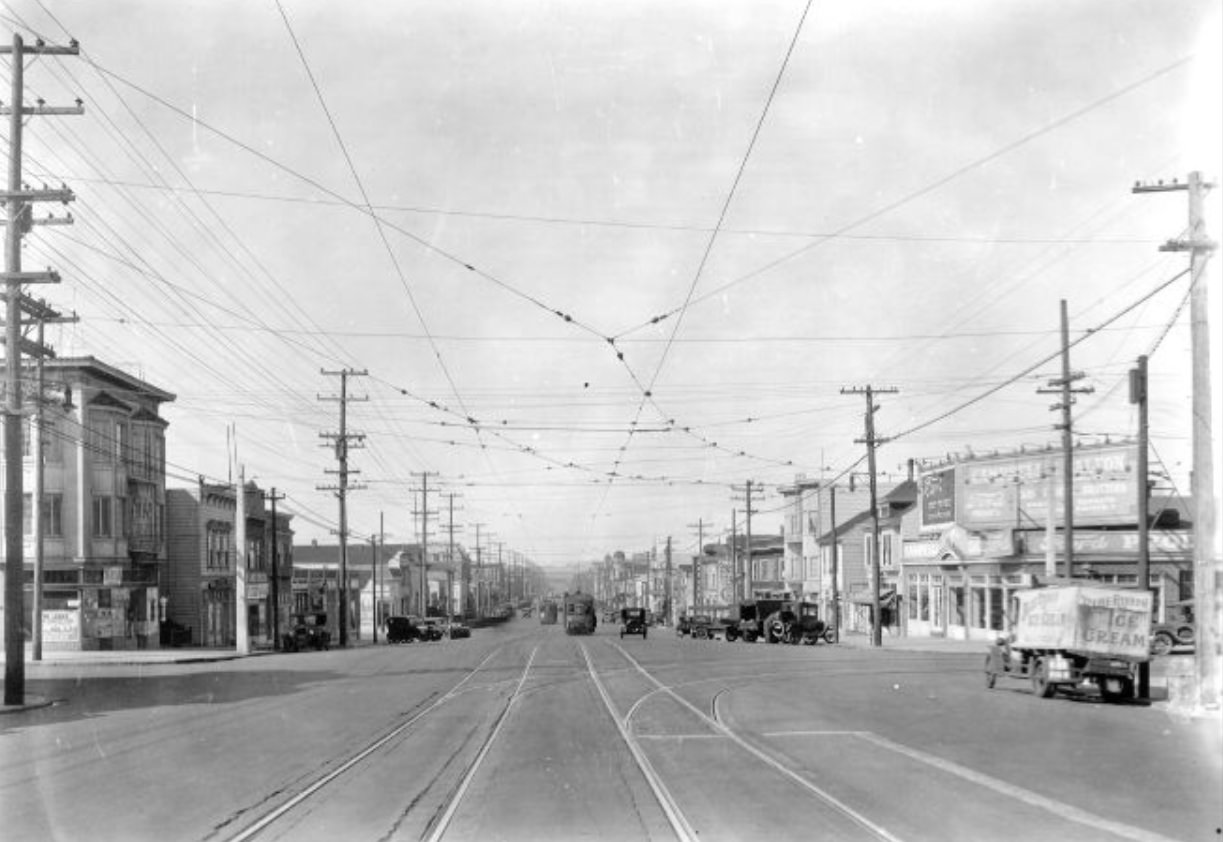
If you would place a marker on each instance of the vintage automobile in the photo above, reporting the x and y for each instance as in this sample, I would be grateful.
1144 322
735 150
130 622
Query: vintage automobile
795 622
1178 628
692 624
309 632
431 628
402 630
456 629
633 621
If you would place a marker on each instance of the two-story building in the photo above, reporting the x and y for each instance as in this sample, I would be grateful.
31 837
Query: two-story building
202 590
102 508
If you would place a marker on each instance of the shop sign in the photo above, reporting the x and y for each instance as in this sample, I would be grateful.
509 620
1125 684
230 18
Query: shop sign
1113 543
938 498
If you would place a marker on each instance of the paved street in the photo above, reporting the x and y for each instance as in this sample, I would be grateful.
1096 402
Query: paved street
523 732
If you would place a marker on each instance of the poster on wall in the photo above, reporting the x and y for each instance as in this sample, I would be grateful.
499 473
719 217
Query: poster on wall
61 626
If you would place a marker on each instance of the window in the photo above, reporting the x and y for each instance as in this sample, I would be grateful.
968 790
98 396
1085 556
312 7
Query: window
886 546
53 516
103 517
218 548
868 547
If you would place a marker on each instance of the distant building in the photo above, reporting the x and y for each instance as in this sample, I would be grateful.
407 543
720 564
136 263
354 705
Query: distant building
102 510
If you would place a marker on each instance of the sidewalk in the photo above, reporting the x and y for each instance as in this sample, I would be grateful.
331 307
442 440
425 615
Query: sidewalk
862 640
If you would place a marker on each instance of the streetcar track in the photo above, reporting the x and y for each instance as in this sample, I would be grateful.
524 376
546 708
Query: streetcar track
251 831
679 823
827 798
439 829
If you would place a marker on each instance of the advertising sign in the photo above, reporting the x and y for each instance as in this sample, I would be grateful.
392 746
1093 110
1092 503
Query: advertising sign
1085 618
938 498
1014 490
61 626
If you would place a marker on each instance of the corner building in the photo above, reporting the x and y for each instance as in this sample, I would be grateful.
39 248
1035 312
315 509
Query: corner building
102 510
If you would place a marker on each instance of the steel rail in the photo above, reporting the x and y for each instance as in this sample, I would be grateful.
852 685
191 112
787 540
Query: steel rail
443 822
251 831
675 816
827 798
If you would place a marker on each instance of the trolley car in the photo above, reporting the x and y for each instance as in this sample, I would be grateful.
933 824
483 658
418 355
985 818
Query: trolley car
580 614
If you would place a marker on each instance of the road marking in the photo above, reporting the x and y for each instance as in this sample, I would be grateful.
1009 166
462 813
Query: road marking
681 736
1027 796
444 822
679 823
768 759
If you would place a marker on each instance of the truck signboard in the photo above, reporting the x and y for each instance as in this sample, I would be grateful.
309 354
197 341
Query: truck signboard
1094 619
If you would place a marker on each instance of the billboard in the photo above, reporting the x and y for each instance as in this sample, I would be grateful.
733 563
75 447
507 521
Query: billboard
1016 491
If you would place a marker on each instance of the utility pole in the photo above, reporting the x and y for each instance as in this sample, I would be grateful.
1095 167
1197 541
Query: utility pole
871 442
342 444
748 511
836 596
699 526
19 201
381 571
463 572
1207 564
1062 386
241 625
43 314
479 572
736 574
670 603
424 540
273 497
1138 395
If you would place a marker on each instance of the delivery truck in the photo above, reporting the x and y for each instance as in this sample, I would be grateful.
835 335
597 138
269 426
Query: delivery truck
1070 633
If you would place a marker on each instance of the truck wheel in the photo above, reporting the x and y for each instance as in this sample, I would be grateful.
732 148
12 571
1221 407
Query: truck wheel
991 677
1040 679
1113 689
1162 643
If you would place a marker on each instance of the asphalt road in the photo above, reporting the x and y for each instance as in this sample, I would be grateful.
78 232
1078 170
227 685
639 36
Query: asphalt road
525 733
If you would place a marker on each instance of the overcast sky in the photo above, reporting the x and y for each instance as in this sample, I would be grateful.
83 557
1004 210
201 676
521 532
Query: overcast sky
804 198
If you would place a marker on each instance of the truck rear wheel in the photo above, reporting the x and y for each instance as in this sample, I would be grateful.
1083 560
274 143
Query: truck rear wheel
1040 679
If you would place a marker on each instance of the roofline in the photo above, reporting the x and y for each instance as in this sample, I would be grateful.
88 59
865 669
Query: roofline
109 372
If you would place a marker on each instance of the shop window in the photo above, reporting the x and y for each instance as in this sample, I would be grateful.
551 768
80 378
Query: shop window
912 600
53 516
959 611
996 604
977 606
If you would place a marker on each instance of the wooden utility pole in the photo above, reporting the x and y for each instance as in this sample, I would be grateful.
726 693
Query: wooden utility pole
342 445
699 526
273 497
43 313
479 572
748 511
424 541
463 571
670 601
836 597
1138 395
18 219
871 442
1207 564
242 630
1062 386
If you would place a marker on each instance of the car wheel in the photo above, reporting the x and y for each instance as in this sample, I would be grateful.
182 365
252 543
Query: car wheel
1184 635
1162 643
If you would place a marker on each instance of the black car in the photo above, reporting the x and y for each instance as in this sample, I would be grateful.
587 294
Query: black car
309 632
458 629
633 621
402 630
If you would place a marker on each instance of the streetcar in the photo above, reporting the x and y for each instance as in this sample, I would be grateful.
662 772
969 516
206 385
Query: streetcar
547 613
580 614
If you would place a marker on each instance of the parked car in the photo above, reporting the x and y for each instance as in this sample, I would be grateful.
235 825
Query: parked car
309 632
431 629
402 630
1178 628
457 629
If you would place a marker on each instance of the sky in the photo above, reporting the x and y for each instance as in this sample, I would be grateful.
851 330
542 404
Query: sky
599 265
